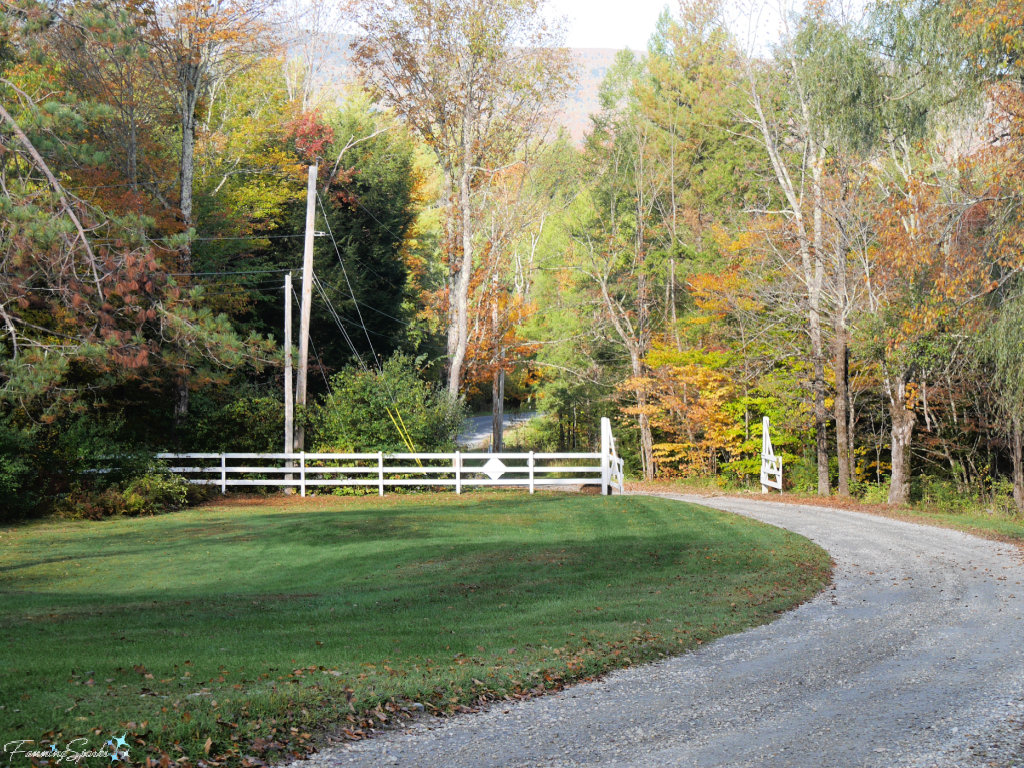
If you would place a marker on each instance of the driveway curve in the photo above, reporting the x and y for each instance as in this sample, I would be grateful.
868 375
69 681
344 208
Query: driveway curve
915 657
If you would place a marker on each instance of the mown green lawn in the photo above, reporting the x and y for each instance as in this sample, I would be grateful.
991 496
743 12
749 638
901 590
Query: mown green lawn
240 628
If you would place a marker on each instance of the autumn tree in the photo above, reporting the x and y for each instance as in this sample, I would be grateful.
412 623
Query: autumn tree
516 205
88 299
1004 344
786 107
475 79
195 42
104 56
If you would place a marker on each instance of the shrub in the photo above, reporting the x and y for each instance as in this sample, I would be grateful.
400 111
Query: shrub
18 495
801 475
360 413
153 493
156 492
858 488
937 492
241 418
87 503
877 493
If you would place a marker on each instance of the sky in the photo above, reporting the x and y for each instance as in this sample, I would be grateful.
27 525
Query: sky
605 24
630 23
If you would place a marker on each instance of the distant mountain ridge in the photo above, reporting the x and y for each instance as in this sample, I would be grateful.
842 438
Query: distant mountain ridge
593 64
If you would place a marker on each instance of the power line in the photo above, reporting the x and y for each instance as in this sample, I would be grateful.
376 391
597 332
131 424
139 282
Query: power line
345 320
371 308
348 282
319 362
355 200
243 237
113 186
337 320
247 272
405 437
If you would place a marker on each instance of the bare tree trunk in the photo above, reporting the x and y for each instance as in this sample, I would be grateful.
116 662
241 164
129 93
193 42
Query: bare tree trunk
851 435
903 420
453 270
815 278
821 424
462 277
1018 464
842 360
188 151
646 439
498 412
810 245
841 409
181 400
132 150
672 303
188 74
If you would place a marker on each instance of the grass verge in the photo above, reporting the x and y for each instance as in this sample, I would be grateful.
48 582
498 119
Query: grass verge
977 520
236 632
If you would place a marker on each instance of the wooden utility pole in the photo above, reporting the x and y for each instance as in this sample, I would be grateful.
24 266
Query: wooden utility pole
289 399
307 301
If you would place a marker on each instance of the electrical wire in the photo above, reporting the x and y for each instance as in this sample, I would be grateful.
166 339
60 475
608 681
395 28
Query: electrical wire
347 281
248 272
403 433
243 237
399 422
319 362
373 309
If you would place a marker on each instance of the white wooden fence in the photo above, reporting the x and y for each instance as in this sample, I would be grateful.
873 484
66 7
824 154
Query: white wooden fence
771 465
304 470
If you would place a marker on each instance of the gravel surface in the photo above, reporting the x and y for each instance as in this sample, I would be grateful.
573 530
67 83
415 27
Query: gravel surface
478 429
913 658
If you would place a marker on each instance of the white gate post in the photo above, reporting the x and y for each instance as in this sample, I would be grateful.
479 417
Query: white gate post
223 474
764 451
605 456
457 465
771 465
302 475
380 471
532 464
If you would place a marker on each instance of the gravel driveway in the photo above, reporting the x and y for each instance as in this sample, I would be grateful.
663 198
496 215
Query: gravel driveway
912 659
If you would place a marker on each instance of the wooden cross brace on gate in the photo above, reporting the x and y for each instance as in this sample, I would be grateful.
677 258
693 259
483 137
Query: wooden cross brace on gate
771 465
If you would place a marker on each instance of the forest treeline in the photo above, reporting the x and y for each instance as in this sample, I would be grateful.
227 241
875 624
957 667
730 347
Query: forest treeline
823 229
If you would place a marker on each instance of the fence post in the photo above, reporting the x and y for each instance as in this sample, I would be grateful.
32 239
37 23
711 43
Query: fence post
223 474
302 472
380 471
605 457
531 465
458 471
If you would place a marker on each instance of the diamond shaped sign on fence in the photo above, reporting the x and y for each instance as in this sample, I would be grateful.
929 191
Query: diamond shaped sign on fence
494 468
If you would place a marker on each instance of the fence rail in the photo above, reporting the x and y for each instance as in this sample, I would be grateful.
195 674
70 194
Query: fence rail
302 470
529 470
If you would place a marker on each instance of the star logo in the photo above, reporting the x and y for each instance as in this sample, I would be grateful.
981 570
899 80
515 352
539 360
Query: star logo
116 745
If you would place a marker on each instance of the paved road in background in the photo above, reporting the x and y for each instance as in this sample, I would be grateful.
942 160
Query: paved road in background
477 429
913 658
